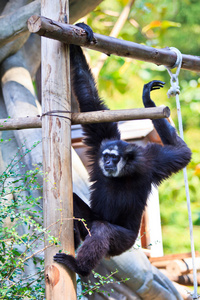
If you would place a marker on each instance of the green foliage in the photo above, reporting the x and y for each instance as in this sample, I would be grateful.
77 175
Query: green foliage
98 285
20 232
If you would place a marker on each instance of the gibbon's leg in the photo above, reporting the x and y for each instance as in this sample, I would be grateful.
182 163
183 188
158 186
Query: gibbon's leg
85 216
77 236
93 249
121 239
105 239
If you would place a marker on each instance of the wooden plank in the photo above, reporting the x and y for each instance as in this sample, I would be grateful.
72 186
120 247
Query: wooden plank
57 192
172 256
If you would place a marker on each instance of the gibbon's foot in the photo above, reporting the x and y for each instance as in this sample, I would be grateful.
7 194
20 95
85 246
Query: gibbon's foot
71 263
67 260
60 258
87 29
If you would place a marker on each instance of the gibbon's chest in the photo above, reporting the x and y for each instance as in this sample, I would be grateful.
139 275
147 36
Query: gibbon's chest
117 199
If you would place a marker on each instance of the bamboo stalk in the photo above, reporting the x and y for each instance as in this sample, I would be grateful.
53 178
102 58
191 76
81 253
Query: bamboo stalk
89 117
71 34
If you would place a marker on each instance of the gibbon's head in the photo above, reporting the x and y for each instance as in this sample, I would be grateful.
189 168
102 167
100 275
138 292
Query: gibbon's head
115 157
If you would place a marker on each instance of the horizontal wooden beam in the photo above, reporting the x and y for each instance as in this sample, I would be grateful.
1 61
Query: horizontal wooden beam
88 117
71 34
120 115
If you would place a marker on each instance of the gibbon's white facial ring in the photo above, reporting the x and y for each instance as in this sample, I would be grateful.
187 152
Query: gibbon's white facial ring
117 163
110 152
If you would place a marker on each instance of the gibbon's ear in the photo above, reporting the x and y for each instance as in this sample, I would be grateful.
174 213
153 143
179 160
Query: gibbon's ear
130 152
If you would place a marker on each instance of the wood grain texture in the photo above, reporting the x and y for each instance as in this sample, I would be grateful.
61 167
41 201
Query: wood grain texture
57 191
88 117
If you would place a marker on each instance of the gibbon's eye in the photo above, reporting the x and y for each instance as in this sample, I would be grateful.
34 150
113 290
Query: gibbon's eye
116 158
105 156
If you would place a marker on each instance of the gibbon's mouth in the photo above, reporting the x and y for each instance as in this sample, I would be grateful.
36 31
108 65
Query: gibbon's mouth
109 170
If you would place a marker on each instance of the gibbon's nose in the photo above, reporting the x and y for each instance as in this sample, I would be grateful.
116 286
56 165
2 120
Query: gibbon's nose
108 162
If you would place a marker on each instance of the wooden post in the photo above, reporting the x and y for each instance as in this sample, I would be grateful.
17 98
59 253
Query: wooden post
57 195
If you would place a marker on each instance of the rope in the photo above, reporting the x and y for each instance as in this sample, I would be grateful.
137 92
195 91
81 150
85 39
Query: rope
175 91
51 113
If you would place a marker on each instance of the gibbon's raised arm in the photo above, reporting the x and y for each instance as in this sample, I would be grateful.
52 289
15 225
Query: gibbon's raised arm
175 154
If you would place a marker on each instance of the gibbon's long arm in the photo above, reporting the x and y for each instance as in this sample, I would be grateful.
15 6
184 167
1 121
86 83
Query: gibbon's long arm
175 154
84 89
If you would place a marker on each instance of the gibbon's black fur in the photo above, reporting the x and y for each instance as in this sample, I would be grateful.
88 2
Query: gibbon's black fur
122 174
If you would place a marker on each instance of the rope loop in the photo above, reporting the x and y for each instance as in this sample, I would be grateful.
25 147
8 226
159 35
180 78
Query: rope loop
174 89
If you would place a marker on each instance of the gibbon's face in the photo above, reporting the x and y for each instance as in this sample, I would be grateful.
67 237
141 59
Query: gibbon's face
111 160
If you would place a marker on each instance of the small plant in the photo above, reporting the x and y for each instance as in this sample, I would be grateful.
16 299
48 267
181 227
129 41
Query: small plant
21 231
90 287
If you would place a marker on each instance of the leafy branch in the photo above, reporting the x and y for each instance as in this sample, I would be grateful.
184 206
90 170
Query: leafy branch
102 281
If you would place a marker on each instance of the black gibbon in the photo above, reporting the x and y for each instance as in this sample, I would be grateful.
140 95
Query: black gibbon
121 174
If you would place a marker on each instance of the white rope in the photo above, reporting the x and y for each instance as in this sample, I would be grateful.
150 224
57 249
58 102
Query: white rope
175 91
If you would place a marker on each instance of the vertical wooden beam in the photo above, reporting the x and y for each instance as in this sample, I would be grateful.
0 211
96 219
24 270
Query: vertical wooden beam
57 195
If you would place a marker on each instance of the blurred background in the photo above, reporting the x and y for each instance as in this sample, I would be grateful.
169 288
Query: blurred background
120 82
